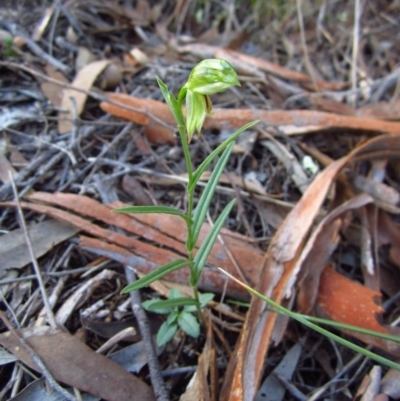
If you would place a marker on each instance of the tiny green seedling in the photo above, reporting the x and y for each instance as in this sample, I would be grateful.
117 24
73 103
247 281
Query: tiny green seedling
207 78
180 314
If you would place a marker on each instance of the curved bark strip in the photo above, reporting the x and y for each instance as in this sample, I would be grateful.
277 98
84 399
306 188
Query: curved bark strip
279 264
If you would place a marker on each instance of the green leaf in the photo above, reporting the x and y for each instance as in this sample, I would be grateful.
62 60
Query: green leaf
147 304
166 333
172 303
204 300
189 324
207 195
171 102
156 274
155 209
172 317
206 162
174 293
205 248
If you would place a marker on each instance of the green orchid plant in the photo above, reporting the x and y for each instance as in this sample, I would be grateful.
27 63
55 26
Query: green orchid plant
207 78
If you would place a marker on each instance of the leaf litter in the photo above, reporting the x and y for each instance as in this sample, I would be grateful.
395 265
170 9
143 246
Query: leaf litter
324 244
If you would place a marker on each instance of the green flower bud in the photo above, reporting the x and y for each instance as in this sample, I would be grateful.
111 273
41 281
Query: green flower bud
212 76
207 77
197 107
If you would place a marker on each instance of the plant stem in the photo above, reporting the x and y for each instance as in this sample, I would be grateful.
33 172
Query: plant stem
196 297
184 141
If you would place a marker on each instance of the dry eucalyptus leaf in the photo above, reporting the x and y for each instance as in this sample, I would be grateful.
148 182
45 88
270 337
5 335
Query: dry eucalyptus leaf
83 80
44 236
72 362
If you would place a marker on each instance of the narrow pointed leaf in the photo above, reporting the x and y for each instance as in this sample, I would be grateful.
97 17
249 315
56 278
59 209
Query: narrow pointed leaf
206 162
146 305
171 303
205 248
207 195
171 102
154 209
156 274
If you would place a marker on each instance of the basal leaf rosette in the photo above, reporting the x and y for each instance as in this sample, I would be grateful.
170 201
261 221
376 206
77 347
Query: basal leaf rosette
208 77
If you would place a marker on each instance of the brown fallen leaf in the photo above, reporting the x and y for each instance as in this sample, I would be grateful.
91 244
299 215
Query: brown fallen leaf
332 106
210 280
231 119
72 362
155 228
14 252
83 80
381 110
51 90
159 134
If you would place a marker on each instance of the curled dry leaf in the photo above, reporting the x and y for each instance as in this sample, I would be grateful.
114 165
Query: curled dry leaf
318 250
83 80
50 89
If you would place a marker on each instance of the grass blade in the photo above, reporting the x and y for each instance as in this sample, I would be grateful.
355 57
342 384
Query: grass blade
206 162
205 248
156 274
326 333
206 197
155 209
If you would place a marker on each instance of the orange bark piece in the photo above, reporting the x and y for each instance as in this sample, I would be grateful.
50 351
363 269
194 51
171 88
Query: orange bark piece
346 301
349 302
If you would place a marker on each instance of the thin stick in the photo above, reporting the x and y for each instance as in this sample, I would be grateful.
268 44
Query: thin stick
356 39
36 359
304 45
157 381
98 96
34 48
49 312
